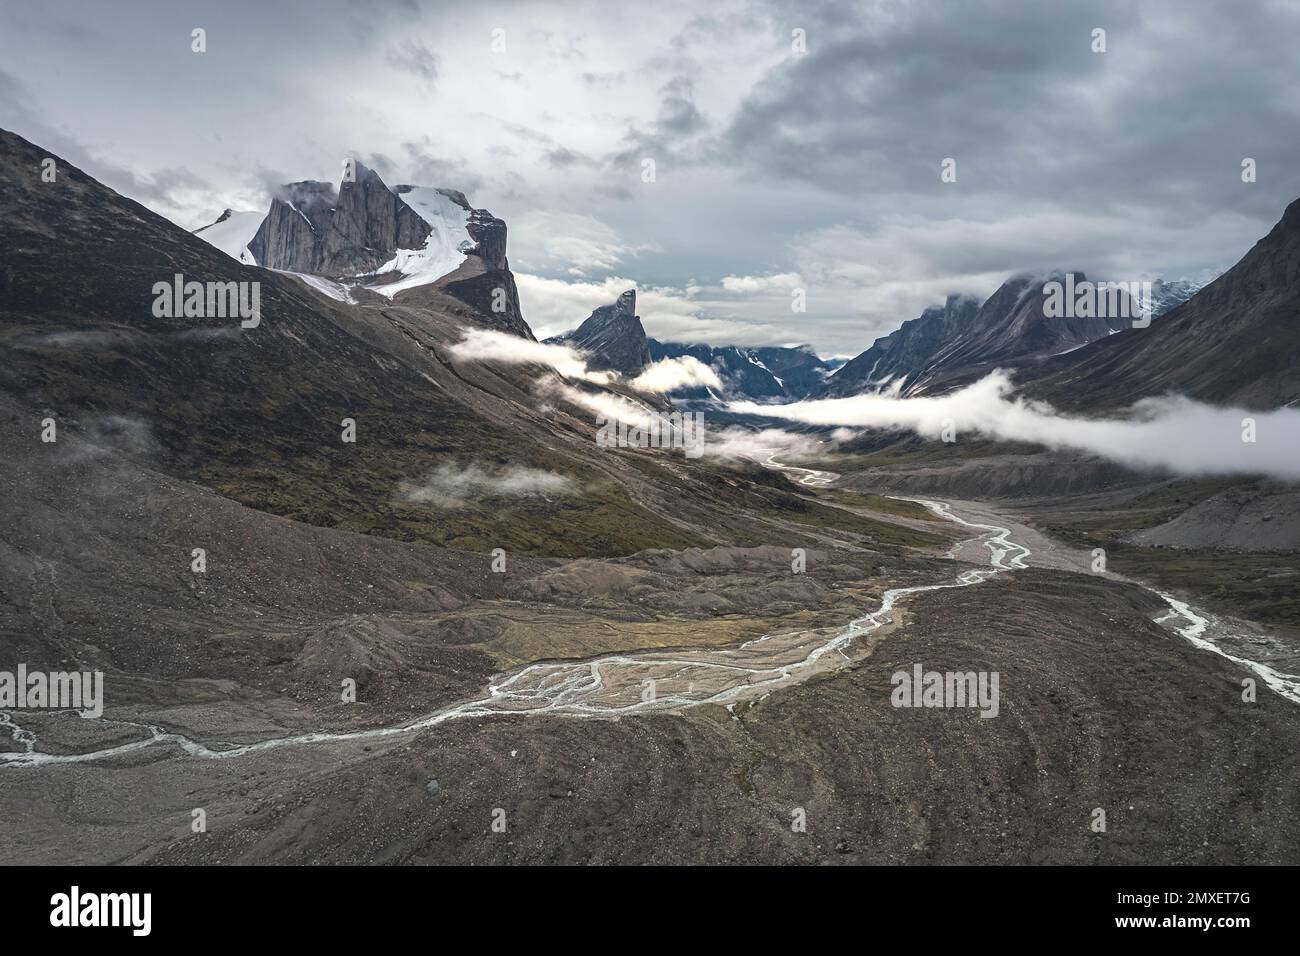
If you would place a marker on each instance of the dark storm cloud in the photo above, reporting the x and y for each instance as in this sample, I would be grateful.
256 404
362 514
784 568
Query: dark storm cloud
674 133
1014 92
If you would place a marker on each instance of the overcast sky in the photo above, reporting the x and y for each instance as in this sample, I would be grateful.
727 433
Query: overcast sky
775 168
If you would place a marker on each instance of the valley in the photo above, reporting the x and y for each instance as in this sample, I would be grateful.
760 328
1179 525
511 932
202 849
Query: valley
437 620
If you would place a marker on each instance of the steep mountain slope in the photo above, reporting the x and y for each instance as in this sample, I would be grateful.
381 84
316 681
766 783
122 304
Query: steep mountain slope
232 232
257 414
1234 341
613 336
904 353
954 345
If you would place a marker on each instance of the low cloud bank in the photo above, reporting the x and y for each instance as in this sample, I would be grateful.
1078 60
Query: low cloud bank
736 443
670 374
666 375
1172 433
764 444
452 485
484 345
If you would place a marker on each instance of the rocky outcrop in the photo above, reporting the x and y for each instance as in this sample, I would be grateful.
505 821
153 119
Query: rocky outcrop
310 228
613 337
493 295
906 352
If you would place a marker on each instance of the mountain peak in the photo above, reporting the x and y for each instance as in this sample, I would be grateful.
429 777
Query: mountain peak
613 336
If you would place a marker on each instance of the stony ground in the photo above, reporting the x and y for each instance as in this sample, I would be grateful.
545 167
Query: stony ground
1100 708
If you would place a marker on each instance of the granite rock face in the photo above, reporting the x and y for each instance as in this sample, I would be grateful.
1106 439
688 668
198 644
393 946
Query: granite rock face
311 228
905 352
613 337
962 341
348 233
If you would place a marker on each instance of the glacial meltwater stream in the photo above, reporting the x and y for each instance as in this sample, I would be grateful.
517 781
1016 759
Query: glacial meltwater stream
617 685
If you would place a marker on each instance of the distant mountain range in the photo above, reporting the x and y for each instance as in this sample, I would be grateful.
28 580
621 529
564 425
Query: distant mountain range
613 338
762 374
179 402
1234 341
944 348
954 344
1231 340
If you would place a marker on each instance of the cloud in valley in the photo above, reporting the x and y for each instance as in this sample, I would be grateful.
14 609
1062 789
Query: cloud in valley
453 485
1171 433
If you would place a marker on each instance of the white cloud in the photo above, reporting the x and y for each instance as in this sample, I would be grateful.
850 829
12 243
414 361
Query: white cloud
451 485
762 444
782 282
670 374
1172 433
579 244
611 406
485 345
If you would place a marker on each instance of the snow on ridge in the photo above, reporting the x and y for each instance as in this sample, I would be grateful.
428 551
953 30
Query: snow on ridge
335 290
443 252
233 234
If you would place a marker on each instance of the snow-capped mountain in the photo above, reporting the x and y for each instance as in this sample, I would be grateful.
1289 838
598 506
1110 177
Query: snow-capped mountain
363 234
1167 295
232 232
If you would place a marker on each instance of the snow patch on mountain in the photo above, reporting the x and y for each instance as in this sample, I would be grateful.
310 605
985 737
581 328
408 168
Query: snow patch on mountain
335 290
232 233
443 252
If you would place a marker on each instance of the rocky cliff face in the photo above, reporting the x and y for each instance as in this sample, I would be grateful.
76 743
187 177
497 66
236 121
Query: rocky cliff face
365 235
310 228
613 337
952 346
905 353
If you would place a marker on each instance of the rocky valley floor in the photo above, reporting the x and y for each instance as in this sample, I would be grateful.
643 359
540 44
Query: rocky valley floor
1101 707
